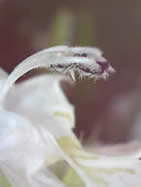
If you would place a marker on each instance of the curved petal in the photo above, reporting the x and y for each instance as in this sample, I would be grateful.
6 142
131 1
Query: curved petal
45 178
40 99
15 178
111 170
22 145
3 74
102 170
87 61
3 77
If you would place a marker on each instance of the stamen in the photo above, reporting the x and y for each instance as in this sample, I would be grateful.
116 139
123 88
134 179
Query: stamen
104 66
76 54
64 59
84 55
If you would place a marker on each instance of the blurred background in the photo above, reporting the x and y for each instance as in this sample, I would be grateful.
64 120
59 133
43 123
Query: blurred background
108 111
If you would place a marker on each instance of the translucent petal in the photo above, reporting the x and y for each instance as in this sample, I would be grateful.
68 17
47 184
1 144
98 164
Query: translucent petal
45 178
3 74
112 171
40 99
3 77
61 59
42 178
23 145
102 170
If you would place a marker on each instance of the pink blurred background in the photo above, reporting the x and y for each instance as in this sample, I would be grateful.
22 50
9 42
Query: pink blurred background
110 110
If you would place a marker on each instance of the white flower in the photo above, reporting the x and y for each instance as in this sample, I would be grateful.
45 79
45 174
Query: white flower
36 122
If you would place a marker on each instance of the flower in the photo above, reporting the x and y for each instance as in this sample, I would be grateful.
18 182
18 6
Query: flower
37 145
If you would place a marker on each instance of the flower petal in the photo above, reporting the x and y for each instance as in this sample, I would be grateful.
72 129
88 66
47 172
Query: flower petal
3 77
3 74
41 98
23 145
112 171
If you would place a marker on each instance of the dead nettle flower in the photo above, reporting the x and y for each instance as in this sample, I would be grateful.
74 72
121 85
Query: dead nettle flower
36 122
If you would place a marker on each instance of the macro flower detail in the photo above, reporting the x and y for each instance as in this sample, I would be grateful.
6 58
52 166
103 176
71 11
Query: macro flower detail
37 145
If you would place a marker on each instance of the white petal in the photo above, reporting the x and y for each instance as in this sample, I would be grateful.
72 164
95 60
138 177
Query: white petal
84 177
41 98
112 171
3 74
24 146
53 58
45 178
3 77
102 170
25 151
16 178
